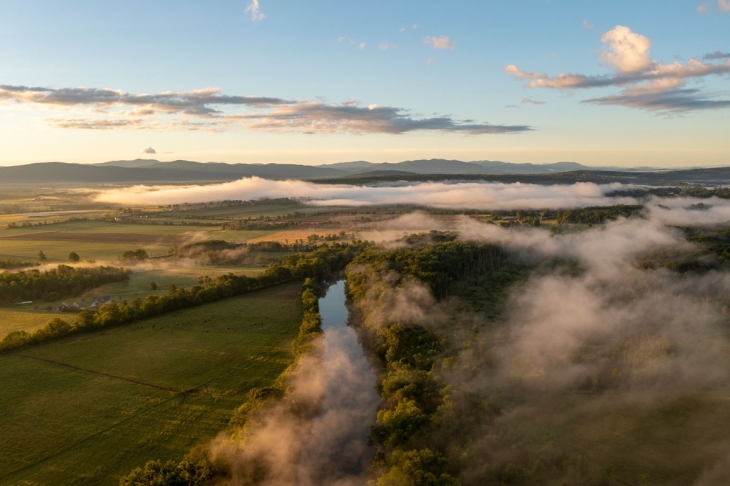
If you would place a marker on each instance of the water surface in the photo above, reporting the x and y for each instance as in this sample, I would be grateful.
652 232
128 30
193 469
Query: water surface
337 449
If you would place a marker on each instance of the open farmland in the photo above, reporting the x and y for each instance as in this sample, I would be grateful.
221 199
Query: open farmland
89 408
30 317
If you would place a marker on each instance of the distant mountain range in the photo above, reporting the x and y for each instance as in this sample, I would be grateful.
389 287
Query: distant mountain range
184 171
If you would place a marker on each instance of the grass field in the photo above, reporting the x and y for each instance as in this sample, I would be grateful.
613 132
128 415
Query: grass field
28 318
23 318
89 408
102 241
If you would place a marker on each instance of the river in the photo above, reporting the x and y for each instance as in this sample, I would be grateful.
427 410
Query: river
337 451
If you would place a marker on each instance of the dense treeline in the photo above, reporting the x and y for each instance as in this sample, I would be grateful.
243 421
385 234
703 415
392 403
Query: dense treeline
416 401
597 214
10 264
674 191
437 265
61 282
316 265
198 468
263 223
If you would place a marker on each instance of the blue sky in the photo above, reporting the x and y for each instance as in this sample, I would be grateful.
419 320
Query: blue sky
435 70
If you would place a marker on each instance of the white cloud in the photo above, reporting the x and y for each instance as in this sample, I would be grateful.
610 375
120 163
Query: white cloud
441 42
361 45
402 29
723 5
643 78
703 9
629 51
255 11
384 46
587 25
210 110
149 150
430 60
534 102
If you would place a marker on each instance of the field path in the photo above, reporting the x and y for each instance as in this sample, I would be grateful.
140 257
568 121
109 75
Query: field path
99 373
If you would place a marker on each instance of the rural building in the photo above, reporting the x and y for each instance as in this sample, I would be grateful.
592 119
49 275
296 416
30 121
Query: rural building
64 307
99 301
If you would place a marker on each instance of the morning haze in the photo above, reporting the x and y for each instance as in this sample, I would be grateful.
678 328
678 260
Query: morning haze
364 243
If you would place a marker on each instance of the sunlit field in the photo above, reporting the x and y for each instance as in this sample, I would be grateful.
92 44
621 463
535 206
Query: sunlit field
89 408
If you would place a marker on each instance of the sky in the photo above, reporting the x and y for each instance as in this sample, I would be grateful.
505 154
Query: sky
621 83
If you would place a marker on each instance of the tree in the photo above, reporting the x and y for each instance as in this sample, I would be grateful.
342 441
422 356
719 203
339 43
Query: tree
153 286
42 256
73 257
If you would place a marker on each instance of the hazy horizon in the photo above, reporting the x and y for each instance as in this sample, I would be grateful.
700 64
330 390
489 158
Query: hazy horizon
285 82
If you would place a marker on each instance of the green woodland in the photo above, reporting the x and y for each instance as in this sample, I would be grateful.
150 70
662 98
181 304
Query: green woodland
442 423
61 282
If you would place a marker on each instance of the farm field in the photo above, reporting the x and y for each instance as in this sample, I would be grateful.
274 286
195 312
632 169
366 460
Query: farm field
102 241
89 408
28 318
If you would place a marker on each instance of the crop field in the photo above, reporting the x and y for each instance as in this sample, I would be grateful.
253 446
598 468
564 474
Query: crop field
89 408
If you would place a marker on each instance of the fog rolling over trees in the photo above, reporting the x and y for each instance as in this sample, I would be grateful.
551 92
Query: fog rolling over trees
603 366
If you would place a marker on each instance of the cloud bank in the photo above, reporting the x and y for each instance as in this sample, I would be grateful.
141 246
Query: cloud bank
209 109
471 195
646 83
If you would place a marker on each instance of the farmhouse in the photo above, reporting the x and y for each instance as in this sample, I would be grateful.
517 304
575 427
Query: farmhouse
99 301
64 307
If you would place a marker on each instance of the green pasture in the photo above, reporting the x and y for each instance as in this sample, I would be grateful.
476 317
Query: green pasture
58 251
89 408
140 280
30 317
24 318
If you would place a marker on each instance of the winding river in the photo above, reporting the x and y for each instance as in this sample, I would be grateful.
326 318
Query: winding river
337 451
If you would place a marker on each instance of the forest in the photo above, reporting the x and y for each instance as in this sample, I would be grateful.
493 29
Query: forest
61 282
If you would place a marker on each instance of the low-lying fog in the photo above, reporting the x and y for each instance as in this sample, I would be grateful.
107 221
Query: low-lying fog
466 195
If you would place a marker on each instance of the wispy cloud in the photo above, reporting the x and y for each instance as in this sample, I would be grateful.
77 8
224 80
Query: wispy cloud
209 109
440 42
670 100
723 5
534 102
384 46
318 117
255 10
360 45
587 25
98 124
645 80
714 56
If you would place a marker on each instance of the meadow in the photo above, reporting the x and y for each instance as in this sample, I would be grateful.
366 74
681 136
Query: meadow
89 408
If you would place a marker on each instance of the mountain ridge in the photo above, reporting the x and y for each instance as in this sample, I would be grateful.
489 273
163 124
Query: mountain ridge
186 171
